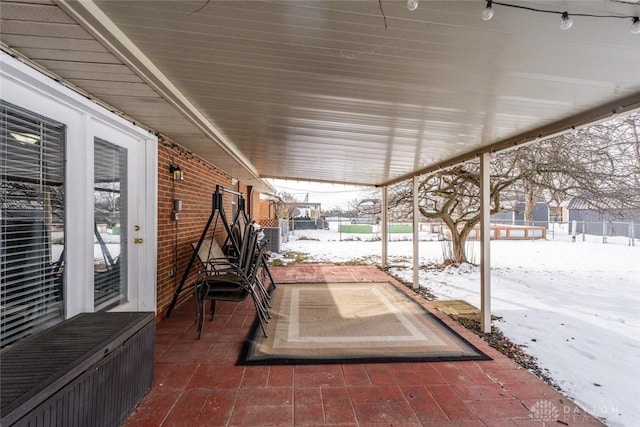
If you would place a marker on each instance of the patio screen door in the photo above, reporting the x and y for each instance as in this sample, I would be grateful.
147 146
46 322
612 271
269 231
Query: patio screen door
118 189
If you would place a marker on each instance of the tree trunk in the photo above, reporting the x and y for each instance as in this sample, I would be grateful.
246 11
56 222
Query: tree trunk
531 196
458 253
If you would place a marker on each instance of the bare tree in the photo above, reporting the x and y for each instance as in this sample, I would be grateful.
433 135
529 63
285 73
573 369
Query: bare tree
284 211
107 203
600 163
453 197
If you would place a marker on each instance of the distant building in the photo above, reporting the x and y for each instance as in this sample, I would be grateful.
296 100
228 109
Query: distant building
515 215
617 220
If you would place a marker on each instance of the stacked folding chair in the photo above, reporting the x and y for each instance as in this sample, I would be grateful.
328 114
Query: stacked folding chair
235 279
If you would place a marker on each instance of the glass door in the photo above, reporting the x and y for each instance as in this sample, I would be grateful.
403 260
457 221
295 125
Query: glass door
118 188
78 197
110 182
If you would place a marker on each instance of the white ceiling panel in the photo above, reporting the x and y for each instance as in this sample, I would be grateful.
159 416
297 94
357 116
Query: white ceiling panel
322 90
46 35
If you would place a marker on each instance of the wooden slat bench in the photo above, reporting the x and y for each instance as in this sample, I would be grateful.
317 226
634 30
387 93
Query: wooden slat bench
90 370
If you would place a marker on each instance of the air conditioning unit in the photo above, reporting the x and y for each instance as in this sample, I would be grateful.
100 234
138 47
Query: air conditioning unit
273 235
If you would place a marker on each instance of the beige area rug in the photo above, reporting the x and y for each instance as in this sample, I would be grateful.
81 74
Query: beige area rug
317 323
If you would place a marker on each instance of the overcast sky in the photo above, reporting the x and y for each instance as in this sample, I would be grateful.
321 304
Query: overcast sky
330 195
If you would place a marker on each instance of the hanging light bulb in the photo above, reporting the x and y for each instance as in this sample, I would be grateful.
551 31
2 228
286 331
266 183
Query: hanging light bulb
412 5
635 25
487 13
566 22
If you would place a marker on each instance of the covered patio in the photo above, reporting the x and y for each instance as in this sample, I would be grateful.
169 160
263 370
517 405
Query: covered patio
366 93
198 384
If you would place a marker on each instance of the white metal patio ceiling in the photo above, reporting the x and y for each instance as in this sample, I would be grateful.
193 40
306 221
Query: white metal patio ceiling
321 90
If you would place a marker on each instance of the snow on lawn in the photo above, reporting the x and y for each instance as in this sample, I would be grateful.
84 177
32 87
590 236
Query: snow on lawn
576 306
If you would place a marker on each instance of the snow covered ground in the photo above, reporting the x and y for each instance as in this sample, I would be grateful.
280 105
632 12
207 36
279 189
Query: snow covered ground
575 305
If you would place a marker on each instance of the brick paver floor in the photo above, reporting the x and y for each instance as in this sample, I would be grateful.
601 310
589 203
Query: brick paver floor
198 384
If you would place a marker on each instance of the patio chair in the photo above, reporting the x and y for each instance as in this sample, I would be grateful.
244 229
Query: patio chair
237 234
213 259
215 262
238 281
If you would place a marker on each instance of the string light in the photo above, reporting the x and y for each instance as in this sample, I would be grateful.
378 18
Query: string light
566 21
487 13
566 18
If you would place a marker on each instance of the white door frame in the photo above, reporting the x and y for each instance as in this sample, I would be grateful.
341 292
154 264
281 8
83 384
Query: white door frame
26 87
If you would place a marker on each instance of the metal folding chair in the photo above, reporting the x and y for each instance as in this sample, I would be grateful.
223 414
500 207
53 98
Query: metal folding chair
238 281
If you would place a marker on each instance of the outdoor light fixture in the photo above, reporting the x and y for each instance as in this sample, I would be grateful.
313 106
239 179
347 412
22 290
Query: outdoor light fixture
635 25
177 173
412 5
487 13
566 22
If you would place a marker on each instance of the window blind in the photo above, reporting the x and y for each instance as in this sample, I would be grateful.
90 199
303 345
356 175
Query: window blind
32 205
110 215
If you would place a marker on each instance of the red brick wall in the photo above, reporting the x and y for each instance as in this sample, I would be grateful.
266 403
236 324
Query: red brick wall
260 208
175 237
263 213
254 206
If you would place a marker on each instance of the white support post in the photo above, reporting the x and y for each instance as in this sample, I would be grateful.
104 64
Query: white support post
485 239
416 252
384 228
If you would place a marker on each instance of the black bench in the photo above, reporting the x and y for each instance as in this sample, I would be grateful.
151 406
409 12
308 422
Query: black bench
90 370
